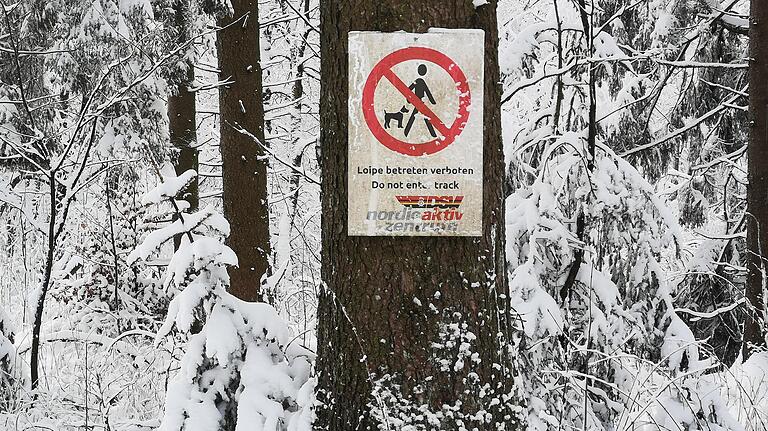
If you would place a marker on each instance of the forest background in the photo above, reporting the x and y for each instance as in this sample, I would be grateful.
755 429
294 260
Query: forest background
625 133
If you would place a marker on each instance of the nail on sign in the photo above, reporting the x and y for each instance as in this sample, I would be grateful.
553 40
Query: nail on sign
415 133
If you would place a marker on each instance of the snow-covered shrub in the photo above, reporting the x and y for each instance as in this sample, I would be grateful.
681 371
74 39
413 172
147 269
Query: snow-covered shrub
618 322
747 385
240 369
689 394
593 243
93 278
710 296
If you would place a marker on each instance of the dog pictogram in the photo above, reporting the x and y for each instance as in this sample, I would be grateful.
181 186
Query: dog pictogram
396 116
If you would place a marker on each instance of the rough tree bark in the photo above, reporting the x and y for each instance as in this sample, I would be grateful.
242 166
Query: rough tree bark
244 165
372 336
757 190
182 109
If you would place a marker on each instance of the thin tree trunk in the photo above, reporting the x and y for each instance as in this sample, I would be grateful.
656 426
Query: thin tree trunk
57 216
298 93
116 269
34 359
388 304
757 190
183 135
182 109
578 255
244 165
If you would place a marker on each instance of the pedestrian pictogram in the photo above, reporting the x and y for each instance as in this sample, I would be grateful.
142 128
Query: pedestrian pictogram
420 89
415 131
416 97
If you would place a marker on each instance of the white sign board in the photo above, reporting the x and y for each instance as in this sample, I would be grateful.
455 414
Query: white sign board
416 133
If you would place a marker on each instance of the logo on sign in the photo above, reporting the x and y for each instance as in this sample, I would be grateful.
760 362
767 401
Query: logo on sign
430 201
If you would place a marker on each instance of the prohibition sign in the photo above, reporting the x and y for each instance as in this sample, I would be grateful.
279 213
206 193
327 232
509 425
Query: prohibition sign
447 135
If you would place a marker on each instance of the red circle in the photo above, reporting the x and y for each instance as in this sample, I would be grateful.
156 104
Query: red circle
386 64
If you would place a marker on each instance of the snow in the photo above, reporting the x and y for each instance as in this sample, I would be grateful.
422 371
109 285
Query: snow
221 339
539 311
187 223
663 26
747 385
7 349
621 315
145 6
680 345
236 351
632 346
606 47
283 248
270 377
170 187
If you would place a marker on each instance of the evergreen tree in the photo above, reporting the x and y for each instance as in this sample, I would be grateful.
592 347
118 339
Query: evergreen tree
241 369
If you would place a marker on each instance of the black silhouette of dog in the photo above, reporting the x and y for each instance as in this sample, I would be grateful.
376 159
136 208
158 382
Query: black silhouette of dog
397 116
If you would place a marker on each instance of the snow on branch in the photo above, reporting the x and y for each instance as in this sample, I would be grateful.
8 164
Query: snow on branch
689 126
169 188
187 223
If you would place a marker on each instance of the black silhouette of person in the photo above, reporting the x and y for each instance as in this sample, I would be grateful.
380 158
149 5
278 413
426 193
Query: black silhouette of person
420 89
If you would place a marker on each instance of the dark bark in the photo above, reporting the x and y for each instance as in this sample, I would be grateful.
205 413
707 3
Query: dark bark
56 225
34 357
244 166
182 109
757 190
109 190
578 255
370 327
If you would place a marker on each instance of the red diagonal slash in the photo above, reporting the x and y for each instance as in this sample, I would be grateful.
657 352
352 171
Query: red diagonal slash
415 101
385 68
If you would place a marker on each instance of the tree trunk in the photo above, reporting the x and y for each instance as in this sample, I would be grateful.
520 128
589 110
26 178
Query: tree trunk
244 166
394 311
182 109
757 190
34 355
